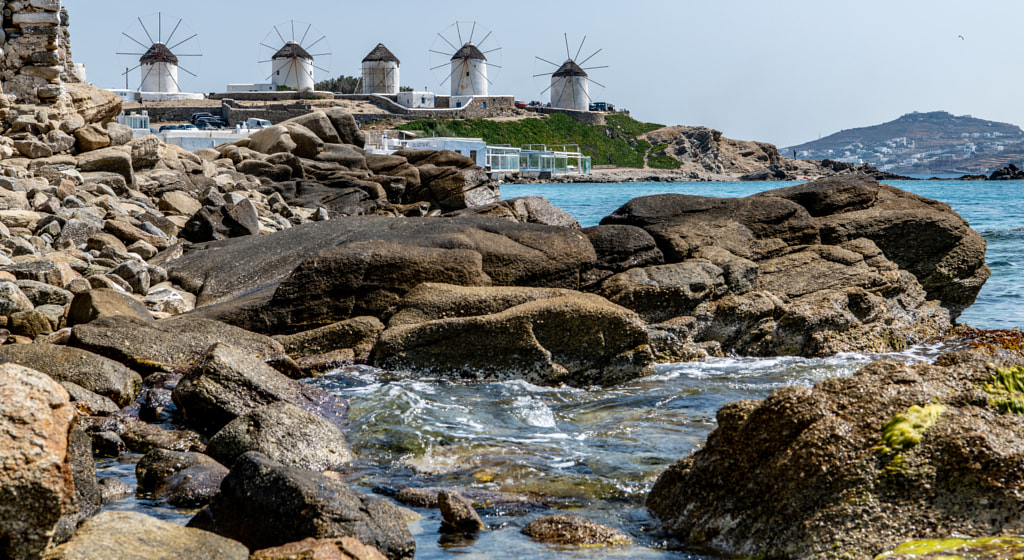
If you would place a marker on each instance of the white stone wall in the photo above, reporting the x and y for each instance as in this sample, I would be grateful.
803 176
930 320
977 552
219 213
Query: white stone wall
380 77
570 92
159 77
296 73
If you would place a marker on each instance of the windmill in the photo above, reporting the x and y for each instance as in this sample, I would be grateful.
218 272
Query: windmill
159 60
570 83
291 59
465 66
380 71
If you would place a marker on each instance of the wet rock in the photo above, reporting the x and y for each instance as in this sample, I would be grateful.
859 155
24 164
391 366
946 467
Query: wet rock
573 530
95 373
158 465
129 535
88 403
284 433
459 515
113 489
358 334
142 437
227 382
264 504
107 444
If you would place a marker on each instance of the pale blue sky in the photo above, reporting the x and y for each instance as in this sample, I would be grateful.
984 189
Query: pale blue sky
780 72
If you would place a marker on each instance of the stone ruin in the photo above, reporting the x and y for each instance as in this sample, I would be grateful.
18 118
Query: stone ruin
36 50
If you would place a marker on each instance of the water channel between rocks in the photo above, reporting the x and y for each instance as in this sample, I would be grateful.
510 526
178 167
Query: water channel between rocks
595 452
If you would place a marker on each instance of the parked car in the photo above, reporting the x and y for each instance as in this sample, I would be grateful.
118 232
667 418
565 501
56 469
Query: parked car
211 121
207 125
187 127
257 123
521 105
197 116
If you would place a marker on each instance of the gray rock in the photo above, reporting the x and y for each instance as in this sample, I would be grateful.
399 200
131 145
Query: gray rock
44 294
263 503
158 465
13 300
458 513
98 303
114 489
284 433
94 373
135 274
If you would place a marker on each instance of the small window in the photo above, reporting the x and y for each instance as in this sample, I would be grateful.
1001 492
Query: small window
485 104
472 155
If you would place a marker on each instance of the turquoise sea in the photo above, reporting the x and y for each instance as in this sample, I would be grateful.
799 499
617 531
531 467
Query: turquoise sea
597 452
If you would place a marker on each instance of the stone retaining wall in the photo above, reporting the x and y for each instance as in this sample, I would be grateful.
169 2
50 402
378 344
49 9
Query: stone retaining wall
36 49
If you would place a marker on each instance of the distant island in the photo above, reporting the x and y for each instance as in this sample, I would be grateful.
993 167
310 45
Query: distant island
923 143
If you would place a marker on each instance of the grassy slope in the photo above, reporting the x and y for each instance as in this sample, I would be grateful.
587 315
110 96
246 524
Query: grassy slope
613 144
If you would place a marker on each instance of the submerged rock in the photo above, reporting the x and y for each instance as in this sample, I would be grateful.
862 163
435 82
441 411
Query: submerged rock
573 530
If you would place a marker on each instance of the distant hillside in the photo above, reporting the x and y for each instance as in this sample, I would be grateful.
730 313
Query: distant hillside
923 143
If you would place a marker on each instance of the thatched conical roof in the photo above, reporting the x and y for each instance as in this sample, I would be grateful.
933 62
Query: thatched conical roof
380 53
158 52
569 68
291 49
470 51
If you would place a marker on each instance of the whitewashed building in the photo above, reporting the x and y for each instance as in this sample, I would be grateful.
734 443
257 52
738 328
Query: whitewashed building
569 87
380 71
292 67
159 70
468 72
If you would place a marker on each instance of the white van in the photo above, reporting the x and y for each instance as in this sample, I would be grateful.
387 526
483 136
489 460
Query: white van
257 123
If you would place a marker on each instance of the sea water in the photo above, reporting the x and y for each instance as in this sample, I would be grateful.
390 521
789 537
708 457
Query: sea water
596 452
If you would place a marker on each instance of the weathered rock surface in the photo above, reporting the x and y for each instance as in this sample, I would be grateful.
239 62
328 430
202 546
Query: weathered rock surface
344 548
458 513
136 536
182 479
547 337
227 382
855 466
36 480
573 530
95 373
284 433
263 504
172 344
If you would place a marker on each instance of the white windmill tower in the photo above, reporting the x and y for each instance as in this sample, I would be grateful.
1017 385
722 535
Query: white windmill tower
570 83
467 64
159 63
380 71
292 65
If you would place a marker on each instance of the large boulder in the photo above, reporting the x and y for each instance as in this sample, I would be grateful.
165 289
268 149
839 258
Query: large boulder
263 503
552 337
136 536
226 382
173 344
856 465
94 304
284 433
182 479
922 236
36 481
95 105
361 265
95 373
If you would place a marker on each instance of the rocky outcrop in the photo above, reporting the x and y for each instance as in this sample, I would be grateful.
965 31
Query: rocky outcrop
835 265
573 530
97 374
264 504
545 336
855 466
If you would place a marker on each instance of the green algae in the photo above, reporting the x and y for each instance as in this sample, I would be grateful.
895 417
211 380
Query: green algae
1006 387
985 548
904 431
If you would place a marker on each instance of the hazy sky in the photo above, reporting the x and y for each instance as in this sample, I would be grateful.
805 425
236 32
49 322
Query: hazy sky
783 72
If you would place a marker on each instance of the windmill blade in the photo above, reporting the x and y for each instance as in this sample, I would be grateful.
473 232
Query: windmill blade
459 31
492 50
187 71
173 31
176 85
471 32
279 34
568 53
454 48
314 55
591 56
317 41
581 48
127 70
131 53
194 35
292 68
324 70
274 49
544 74
490 64
439 66
587 68
457 68
293 29
595 81
146 30
263 61
136 41
441 53
303 39
146 77
188 55
484 40
548 61
546 89
160 27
